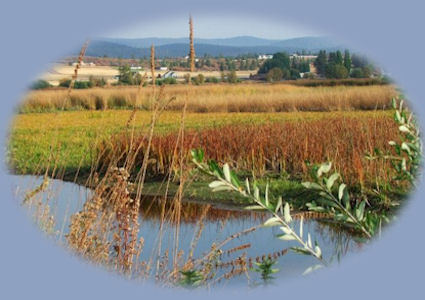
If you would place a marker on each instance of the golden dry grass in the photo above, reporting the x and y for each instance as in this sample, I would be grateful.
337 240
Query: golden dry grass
247 97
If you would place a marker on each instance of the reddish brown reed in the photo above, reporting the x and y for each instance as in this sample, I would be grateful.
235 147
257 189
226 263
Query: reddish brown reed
280 147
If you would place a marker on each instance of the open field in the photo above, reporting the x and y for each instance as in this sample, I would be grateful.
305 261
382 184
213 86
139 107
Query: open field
60 71
247 97
278 142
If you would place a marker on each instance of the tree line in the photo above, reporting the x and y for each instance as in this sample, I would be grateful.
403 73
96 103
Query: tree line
338 66
332 65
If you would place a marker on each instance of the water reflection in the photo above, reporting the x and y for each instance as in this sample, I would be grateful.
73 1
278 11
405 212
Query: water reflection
201 227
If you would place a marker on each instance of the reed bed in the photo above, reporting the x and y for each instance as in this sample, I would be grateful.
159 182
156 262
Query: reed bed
71 139
248 97
280 147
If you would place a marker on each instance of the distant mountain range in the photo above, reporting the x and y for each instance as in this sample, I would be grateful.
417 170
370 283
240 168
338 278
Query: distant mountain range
179 47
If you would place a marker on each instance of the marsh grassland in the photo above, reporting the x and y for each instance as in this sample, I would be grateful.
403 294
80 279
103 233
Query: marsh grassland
243 97
145 160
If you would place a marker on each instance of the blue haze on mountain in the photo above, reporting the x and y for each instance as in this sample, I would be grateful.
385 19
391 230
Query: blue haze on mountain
179 47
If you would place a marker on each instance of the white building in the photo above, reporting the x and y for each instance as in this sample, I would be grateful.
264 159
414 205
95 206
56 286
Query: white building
265 56
170 74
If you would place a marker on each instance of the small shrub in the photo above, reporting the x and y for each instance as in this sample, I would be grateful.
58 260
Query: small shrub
212 80
357 73
232 77
201 78
40 84
169 80
274 74
97 82
187 78
82 84
64 82
195 80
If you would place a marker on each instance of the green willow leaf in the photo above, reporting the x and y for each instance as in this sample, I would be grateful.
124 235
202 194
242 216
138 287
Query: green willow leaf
286 213
300 250
331 180
226 172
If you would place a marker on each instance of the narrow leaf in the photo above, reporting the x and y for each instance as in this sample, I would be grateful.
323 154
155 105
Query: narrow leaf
278 205
404 128
331 180
286 237
215 184
266 195
318 251
300 250
253 207
285 230
247 186
235 179
256 193
226 171
324 168
309 244
222 188
272 222
286 213
341 191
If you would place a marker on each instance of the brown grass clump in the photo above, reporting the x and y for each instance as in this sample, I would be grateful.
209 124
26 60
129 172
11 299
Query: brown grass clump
280 147
219 98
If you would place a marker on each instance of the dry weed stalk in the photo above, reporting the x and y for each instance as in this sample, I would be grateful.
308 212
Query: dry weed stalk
192 47
152 63
77 67
113 210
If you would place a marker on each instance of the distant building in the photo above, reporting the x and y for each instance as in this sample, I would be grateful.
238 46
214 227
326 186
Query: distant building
295 55
163 69
187 57
170 74
265 56
135 68
76 63
90 64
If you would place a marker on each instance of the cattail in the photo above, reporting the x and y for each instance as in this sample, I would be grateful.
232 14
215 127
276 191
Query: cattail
192 47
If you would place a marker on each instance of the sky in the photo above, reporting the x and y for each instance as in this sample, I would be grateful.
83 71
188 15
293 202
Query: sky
213 27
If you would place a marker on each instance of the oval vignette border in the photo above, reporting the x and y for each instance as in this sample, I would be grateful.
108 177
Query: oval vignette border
388 33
